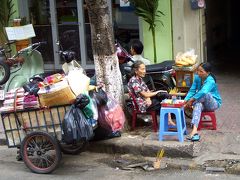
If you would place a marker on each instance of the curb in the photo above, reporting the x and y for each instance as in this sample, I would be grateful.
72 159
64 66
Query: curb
2 139
137 145
3 142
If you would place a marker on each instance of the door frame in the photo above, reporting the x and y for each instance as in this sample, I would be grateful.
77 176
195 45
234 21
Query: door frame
24 12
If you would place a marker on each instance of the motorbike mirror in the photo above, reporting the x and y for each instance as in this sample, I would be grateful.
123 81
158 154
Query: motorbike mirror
10 42
43 42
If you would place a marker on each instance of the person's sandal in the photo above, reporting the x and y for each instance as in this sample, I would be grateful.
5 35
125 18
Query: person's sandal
188 137
195 137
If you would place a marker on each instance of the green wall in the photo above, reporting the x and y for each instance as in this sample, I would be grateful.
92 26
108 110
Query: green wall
16 15
4 6
163 35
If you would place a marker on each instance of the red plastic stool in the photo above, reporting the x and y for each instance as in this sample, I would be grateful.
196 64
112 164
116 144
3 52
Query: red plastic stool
208 121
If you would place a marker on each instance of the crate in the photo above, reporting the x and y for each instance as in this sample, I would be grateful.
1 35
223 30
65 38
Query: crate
17 124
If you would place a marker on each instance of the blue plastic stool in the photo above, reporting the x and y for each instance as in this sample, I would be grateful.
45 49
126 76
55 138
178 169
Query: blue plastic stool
180 123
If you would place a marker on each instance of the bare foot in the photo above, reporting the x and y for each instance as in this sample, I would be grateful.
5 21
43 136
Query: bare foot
171 123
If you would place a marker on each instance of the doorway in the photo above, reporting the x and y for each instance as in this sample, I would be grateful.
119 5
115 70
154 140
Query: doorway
67 21
61 20
223 37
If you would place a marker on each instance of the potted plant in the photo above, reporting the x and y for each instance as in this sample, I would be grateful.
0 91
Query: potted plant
148 11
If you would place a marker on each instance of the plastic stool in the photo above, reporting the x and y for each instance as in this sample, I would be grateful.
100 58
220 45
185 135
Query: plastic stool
208 121
180 121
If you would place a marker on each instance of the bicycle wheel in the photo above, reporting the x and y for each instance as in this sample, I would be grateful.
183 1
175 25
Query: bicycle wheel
40 152
4 72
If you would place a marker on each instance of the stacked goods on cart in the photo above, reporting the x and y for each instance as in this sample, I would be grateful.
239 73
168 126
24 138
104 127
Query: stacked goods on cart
55 91
17 99
188 58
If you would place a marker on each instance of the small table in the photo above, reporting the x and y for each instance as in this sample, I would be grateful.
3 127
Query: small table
178 111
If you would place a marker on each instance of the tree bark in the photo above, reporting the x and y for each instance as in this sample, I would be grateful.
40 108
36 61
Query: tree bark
105 58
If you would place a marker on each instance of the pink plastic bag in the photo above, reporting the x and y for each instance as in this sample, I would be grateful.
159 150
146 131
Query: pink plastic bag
111 116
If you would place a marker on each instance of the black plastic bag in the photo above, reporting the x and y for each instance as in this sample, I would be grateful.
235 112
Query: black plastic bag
82 101
75 126
31 87
100 97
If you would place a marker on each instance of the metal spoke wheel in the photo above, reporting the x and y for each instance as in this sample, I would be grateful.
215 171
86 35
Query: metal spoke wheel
40 152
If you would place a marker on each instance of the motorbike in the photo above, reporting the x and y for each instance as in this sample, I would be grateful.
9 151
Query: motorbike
16 71
159 76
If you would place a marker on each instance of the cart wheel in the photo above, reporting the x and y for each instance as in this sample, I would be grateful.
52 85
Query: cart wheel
40 152
73 149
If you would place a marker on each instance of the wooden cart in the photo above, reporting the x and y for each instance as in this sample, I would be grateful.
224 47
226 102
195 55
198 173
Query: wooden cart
38 134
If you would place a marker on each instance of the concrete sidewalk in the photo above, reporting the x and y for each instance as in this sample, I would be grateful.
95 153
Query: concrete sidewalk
145 146
220 148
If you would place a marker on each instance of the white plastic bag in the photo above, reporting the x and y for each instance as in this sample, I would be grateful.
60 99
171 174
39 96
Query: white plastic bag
78 81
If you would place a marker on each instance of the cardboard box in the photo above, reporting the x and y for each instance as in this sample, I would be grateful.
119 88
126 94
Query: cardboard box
62 96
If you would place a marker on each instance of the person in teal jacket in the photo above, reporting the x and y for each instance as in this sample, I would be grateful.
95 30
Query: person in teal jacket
202 96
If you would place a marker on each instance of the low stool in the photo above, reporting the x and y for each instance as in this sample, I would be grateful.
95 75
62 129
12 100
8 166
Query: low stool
180 123
208 121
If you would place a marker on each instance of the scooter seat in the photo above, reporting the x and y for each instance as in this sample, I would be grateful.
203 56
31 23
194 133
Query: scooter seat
163 66
128 69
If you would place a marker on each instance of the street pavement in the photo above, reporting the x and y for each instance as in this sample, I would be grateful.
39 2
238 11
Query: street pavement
218 148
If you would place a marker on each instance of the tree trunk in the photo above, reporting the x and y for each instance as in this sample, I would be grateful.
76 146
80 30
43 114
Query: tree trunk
105 58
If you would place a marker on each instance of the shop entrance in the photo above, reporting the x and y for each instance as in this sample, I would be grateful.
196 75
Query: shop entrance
223 37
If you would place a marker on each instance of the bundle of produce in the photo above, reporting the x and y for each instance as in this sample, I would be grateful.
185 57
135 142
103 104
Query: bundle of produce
188 58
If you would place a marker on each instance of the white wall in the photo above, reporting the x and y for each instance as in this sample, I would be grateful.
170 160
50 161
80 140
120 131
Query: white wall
187 28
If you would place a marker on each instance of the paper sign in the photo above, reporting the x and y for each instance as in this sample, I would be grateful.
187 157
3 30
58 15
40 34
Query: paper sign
20 32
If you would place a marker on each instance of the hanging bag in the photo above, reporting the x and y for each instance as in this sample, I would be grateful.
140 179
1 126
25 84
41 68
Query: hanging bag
111 116
75 126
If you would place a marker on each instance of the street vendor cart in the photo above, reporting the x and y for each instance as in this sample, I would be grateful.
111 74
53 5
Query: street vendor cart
38 134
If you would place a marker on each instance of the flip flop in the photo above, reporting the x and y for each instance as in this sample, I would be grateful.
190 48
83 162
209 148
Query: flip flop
195 137
188 137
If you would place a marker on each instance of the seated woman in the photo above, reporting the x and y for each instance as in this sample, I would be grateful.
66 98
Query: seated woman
202 96
145 99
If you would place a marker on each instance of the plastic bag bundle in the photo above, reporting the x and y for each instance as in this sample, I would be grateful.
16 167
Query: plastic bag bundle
100 96
82 100
111 116
78 81
75 126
